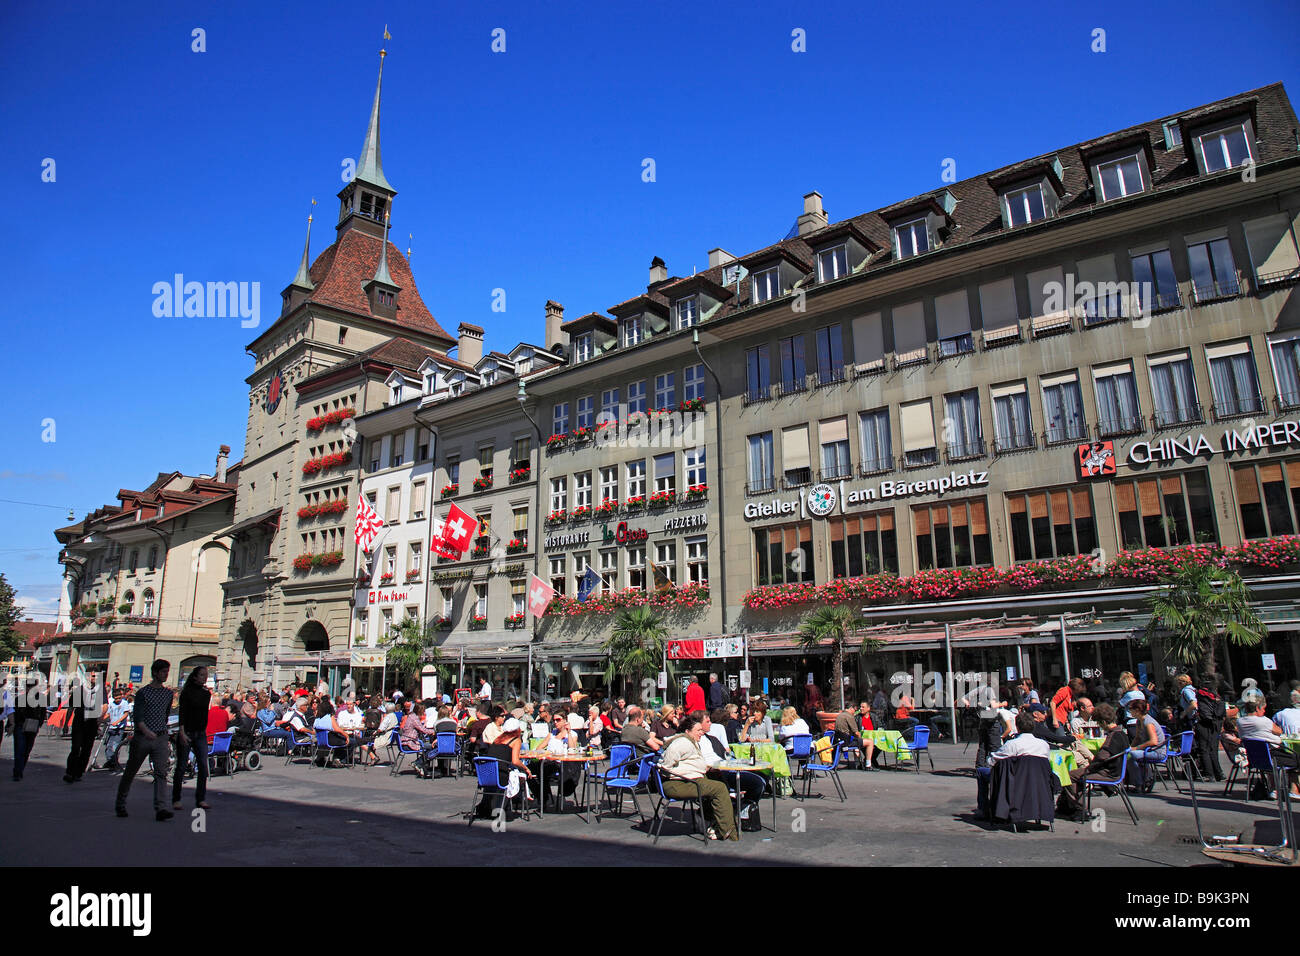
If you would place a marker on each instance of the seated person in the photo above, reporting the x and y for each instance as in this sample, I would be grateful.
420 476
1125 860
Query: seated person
791 726
474 728
497 718
636 734
595 728
577 723
336 736
665 725
415 735
758 727
733 724
218 720
266 718
867 725
685 774
903 719
1148 739
1230 738
1105 763
1046 730
511 771
848 732
1253 725
1288 718
297 723
752 784
560 742
382 734
1023 741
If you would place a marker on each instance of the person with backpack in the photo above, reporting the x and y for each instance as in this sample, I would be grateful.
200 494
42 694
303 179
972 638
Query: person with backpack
1209 714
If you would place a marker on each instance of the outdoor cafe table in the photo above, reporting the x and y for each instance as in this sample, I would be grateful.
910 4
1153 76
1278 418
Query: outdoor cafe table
774 756
1093 743
889 741
583 759
1063 761
736 766
1292 744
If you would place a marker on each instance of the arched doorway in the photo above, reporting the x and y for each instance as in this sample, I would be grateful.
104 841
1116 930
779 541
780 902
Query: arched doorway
314 637
248 642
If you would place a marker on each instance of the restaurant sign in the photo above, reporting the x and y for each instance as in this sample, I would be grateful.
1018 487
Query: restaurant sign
703 649
822 499
380 596
1252 437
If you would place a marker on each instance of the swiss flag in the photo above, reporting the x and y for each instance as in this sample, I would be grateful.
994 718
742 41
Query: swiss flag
458 530
539 595
438 545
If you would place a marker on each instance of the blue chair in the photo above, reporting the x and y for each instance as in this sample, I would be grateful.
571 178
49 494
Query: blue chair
626 773
920 745
487 772
446 747
1155 761
800 751
1105 784
812 770
657 775
294 746
402 753
324 749
219 750
1183 758
1259 766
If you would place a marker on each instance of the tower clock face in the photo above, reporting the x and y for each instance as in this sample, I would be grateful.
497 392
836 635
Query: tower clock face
274 392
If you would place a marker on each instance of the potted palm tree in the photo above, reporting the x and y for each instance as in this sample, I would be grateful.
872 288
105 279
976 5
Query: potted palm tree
635 646
1193 605
411 644
836 623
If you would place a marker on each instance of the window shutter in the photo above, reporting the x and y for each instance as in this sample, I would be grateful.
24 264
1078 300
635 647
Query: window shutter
979 517
868 339
1222 351
833 430
1149 497
918 425
909 328
998 304
921 517
952 314
1247 489
1037 294
1272 247
1124 500
886 520
1016 504
1038 505
1098 269
794 447
1082 503
1060 507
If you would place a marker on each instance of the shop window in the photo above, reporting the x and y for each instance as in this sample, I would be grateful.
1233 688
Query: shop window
1268 496
952 535
863 545
1166 511
1051 524
784 555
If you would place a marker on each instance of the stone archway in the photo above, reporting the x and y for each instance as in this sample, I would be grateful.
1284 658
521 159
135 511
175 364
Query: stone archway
313 637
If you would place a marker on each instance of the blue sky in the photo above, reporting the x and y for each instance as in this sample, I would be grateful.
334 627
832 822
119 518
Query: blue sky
518 170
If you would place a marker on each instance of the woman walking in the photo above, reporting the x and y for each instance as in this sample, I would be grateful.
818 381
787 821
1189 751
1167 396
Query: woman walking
193 737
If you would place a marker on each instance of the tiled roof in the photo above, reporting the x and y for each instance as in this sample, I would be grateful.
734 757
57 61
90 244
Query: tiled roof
30 630
340 272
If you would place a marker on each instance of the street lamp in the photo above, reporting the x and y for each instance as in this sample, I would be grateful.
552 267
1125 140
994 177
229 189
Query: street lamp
522 396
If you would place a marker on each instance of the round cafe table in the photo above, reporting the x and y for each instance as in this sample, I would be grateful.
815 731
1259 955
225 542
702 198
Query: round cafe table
890 742
542 757
1063 761
1292 744
771 753
737 766
1093 743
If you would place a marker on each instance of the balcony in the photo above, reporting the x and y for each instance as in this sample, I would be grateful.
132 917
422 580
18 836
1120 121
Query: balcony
1054 323
1014 442
1175 417
830 376
1269 279
755 395
1286 401
919 356
1159 301
792 387
1227 408
1003 335
796 478
965 450
921 458
867 369
1216 291
1102 310
760 486
1124 425
835 473
875 466
1063 434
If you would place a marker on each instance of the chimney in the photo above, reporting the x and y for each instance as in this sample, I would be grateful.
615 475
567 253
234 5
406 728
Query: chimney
720 257
222 454
814 217
658 270
554 319
469 348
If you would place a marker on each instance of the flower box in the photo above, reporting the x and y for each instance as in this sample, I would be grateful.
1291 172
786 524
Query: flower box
413 574
328 559
691 405
332 418
123 609
557 517
105 620
515 546
519 474
387 577
556 441
483 483
696 492
580 434
606 508
635 503
442 624
140 619
662 499
481 551
325 508
326 462
580 513
514 622
450 490
477 623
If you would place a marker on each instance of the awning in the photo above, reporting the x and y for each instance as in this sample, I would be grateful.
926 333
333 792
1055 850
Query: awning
250 523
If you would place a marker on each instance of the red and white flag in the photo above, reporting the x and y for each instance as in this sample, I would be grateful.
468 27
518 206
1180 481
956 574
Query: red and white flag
539 595
368 524
436 543
458 530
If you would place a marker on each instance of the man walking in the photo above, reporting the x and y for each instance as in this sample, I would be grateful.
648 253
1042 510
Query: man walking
87 703
717 693
153 704
115 733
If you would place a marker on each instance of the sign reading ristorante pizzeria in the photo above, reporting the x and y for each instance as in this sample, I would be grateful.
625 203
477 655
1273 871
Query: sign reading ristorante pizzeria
820 500
623 534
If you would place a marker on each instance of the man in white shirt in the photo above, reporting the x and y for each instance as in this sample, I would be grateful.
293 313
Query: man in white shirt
115 732
351 719
1023 742
484 690
1288 718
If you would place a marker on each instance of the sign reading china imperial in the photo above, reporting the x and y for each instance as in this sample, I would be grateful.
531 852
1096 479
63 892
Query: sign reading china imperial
1278 434
821 499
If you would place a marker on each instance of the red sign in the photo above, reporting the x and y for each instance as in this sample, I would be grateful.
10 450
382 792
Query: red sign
274 391
386 597
1095 459
623 535
686 650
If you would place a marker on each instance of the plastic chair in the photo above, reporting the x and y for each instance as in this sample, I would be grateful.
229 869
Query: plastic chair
1182 758
219 750
1259 765
657 775
487 772
324 748
768 791
446 746
920 745
402 753
800 751
1156 761
626 772
812 769
1102 783
294 745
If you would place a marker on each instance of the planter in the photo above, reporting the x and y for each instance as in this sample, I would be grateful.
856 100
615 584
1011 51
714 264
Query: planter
482 484
478 624
519 474
449 491
514 622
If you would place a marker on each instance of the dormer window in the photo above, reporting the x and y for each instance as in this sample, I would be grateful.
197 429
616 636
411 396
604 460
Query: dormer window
632 331
833 263
489 375
1225 148
767 284
456 388
582 348
912 238
1025 205
396 393
384 298
687 312
430 382
524 363
1173 133
1119 178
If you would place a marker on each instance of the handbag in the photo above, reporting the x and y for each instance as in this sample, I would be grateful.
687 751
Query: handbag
31 725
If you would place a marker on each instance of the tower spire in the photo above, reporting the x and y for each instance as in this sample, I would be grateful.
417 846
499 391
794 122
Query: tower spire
303 279
370 165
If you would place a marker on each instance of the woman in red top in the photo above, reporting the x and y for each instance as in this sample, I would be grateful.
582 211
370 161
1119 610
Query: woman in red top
218 719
